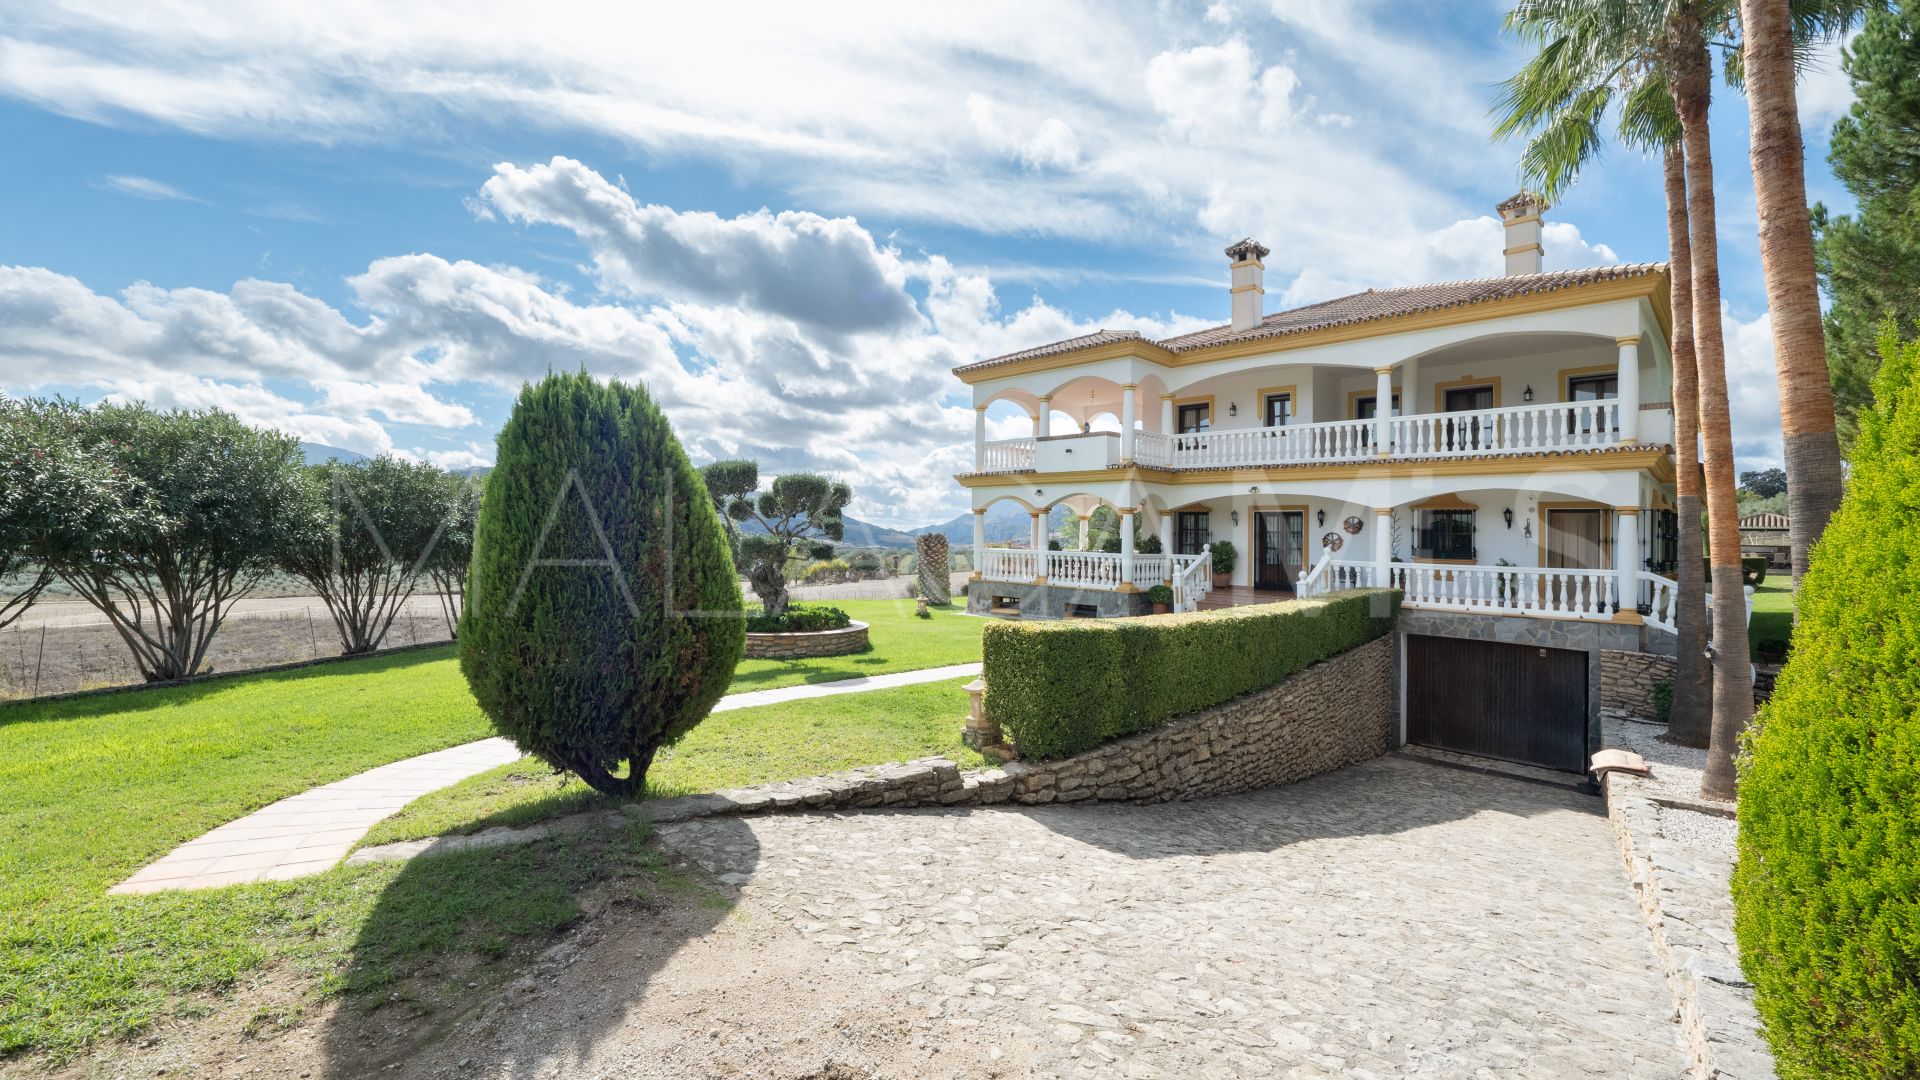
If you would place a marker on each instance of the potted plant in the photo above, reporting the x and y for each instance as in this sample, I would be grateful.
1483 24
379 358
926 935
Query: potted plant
1771 650
1224 556
1161 597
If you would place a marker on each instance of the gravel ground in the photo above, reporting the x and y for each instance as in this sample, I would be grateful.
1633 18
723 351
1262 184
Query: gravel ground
1676 769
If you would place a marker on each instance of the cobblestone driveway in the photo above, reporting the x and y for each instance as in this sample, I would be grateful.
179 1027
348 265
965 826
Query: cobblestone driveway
1395 918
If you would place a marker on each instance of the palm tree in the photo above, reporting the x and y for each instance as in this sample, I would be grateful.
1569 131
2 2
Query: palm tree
1589 61
1690 80
1771 31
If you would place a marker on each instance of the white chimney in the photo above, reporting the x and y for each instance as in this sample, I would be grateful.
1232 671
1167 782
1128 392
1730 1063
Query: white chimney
1521 216
1248 307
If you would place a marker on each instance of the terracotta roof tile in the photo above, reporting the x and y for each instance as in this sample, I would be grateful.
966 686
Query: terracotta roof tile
1370 306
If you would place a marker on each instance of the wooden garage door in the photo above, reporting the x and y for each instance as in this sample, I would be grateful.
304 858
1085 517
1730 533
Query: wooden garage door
1513 702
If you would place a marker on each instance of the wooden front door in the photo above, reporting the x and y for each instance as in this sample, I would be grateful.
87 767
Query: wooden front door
1491 699
1278 543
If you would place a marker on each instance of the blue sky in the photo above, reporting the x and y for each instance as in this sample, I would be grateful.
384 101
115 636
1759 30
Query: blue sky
368 223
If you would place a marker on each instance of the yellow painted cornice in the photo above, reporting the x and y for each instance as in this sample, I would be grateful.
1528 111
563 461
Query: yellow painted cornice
1652 287
1656 461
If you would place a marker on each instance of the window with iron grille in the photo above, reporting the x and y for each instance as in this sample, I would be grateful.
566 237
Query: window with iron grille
1193 533
1445 534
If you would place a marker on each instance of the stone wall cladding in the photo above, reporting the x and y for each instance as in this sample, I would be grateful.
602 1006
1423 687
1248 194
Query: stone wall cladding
813 643
1627 680
1050 601
1690 914
1337 712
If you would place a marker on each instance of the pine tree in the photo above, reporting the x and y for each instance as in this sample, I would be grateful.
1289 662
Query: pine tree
1870 261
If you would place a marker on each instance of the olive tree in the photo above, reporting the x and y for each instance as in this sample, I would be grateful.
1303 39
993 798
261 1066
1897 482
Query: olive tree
363 539
198 506
49 486
447 564
797 514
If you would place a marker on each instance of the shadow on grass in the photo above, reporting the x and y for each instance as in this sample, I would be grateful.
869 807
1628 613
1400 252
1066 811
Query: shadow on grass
851 666
451 936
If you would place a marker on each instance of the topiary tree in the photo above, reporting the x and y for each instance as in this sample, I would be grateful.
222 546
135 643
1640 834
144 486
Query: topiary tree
366 533
198 507
797 514
936 578
602 615
727 481
1827 886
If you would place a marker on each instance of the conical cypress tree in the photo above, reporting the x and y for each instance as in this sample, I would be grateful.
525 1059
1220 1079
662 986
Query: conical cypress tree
603 614
1827 888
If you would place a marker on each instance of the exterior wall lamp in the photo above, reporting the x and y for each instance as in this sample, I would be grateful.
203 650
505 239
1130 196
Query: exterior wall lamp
1233 516
1233 409
1508 514
1527 394
1321 517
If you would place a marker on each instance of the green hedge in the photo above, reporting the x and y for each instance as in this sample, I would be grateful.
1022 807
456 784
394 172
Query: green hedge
1062 688
798 618
1827 887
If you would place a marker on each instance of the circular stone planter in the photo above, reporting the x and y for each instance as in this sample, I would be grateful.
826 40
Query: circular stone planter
807 644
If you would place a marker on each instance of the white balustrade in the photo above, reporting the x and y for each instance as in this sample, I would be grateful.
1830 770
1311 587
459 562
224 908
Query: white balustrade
1527 590
1083 569
1006 455
1010 564
1192 579
1152 449
1149 569
1658 598
1578 425
1340 440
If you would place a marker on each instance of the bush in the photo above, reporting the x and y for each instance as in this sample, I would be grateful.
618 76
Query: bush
1663 700
1160 594
827 570
1062 688
1753 570
1827 885
1224 555
603 661
797 619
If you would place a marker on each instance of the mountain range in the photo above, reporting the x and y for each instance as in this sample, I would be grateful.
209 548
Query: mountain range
1006 520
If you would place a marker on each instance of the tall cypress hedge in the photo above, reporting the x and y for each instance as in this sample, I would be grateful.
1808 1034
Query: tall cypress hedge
1827 887
591 646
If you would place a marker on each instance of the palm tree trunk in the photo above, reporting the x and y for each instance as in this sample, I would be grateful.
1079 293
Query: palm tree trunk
1732 670
1811 448
1690 720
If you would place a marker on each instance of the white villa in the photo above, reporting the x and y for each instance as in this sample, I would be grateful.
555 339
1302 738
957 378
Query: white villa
1497 449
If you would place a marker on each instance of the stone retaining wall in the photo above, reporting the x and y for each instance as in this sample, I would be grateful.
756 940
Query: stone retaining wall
1627 680
808 644
1337 712
1690 915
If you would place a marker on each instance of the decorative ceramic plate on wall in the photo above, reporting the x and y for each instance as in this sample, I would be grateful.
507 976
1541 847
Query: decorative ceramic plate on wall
1332 541
1352 525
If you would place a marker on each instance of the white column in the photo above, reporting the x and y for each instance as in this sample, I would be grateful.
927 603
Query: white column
1382 408
979 439
1083 532
1126 534
1126 422
1629 389
1166 543
1037 540
979 542
1626 555
1383 546
1044 426
1166 414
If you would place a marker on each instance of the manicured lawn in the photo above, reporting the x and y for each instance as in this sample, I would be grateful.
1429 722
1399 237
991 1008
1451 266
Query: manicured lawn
93 789
729 749
901 642
1772 612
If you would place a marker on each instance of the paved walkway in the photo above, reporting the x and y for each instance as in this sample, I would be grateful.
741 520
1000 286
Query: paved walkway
1395 918
309 832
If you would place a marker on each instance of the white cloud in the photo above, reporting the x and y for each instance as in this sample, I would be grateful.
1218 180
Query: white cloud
1753 392
145 187
1823 91
1218 92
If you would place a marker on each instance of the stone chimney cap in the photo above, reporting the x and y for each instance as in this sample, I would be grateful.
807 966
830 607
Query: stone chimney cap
1246 250
1521 202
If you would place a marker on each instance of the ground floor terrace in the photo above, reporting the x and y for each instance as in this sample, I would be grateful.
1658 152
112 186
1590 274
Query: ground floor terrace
1593 546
